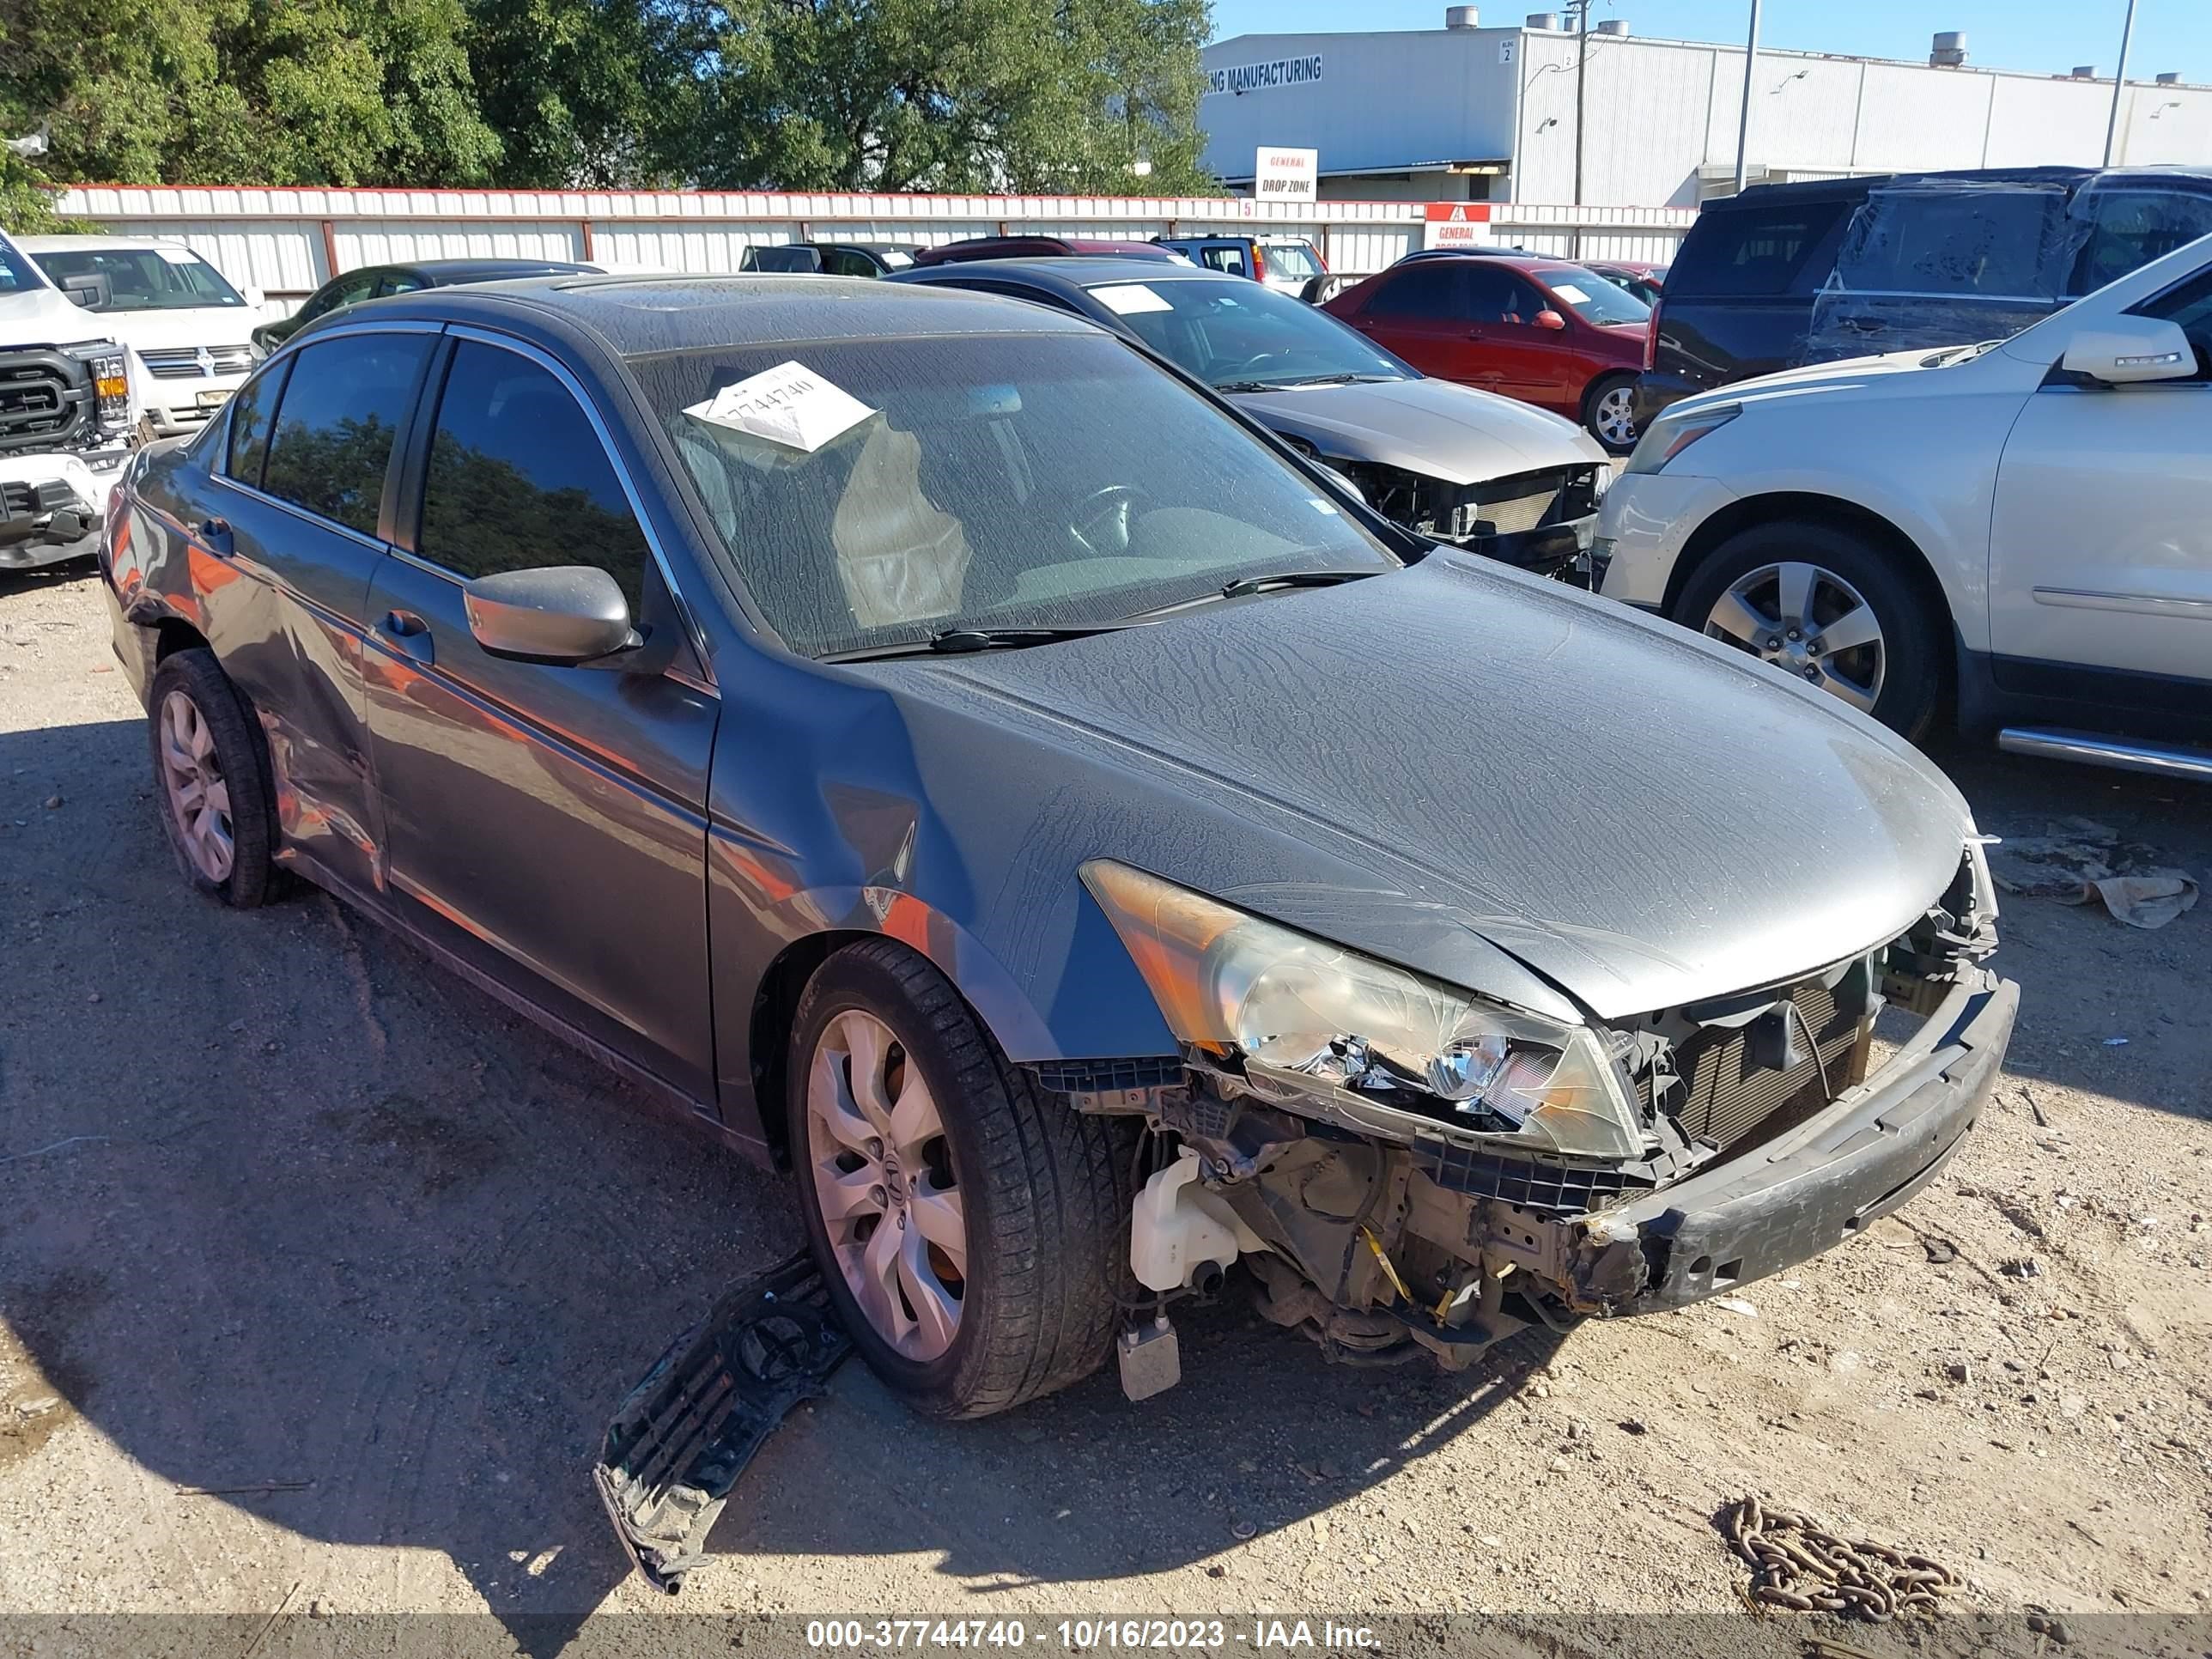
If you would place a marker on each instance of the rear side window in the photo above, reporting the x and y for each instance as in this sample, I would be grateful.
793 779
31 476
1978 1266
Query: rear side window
250 412
519 478
1754 251
1433 290
1988 242
1222 256
341 412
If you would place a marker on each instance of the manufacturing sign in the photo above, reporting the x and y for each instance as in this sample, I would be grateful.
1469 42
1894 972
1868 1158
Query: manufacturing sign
1456 224
1286 175
1258 78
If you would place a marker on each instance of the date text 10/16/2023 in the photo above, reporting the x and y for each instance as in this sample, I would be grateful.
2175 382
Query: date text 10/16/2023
1080 1635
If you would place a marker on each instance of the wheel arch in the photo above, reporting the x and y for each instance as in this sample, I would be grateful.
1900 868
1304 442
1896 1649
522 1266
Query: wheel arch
1749 512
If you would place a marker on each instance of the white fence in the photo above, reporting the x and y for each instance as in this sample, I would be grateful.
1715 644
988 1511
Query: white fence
290 241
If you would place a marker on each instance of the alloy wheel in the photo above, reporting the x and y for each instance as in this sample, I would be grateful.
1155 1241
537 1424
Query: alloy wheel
198 795
882 1168
1613 416
1807 621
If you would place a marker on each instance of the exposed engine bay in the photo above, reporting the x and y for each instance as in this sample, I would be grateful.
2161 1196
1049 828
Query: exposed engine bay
1391 1203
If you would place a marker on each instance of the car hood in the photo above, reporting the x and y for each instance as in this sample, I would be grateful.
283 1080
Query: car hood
1848 375
1428 426
192 326
1484 777
44 316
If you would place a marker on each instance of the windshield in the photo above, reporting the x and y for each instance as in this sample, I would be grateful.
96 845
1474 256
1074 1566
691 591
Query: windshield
1594 299
17 273
987 482
1290 259
1231 332
146 278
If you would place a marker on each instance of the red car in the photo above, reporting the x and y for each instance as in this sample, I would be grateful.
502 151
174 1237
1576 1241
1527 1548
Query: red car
1527 326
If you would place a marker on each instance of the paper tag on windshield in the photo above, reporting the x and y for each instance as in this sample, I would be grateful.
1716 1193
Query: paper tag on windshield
177 256
789 404
1127 299
1570 293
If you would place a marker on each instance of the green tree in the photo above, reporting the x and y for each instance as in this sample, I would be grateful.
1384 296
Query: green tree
1049 95
586 93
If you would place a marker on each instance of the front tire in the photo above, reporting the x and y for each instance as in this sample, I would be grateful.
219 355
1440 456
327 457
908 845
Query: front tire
212 778
1828 604
1609 412
969 1228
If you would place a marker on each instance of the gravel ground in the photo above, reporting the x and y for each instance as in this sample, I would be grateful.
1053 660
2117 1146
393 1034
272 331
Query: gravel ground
321 1274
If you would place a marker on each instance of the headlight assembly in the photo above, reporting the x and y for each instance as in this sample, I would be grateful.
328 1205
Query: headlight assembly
111 383
1670 435
1294 1007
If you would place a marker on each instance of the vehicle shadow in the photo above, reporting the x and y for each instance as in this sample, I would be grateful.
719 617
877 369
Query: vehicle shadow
318 1236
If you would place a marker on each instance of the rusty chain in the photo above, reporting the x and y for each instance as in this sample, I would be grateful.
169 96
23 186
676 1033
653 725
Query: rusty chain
1797 1563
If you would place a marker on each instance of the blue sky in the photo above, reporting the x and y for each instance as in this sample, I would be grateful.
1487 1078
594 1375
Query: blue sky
2047 36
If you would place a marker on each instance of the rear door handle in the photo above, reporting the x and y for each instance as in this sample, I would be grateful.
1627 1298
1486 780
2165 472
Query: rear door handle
215 533
408 635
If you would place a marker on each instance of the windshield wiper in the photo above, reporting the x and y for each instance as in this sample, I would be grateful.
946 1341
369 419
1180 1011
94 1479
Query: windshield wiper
1244 584
954 641
1348 378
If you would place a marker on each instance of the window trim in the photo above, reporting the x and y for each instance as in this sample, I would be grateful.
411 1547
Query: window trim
416 474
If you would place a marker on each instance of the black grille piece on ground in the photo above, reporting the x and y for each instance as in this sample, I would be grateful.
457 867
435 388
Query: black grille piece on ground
679 1442
1729 1093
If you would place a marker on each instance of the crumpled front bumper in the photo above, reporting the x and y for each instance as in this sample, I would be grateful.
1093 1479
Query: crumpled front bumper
52 507
1813 1188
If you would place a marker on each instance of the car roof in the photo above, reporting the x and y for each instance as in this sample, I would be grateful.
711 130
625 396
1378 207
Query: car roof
477 271
77 244
636 316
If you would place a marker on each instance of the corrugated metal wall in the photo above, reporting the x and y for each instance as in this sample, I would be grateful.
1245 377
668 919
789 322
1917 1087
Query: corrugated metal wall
289 242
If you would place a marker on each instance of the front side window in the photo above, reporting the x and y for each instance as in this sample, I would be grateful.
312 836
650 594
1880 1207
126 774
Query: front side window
1292 260
350 289
518 478
1934 242
17 274
1433 290
1230 333
397 282
340 414
1222 256
164 278
2127 228
2191 306
1495 295
988 480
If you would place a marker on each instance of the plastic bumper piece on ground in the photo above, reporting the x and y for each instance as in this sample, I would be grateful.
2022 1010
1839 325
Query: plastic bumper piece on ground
679 1442
1816 1186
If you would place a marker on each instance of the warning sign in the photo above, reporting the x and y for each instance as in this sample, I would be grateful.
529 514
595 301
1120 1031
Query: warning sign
1456 224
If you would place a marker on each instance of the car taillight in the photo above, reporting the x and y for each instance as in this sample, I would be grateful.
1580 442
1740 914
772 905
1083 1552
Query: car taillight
1259 265
1652 341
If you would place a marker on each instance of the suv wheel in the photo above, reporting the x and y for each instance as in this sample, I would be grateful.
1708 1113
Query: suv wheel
217 805
1609 412
971 1229
1832 607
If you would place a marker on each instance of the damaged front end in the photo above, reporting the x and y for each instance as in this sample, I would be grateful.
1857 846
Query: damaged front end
1409 1167
1542 521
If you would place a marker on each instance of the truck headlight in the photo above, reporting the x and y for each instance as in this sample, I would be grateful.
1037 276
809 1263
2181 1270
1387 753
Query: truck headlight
111 381
1238 987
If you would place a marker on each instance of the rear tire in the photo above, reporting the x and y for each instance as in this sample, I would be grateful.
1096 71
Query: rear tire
211 777
1750 590
1609 412
906 1120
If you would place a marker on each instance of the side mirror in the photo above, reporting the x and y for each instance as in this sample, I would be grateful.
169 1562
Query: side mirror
256 298
2128 350
555 614
93 292
1550 318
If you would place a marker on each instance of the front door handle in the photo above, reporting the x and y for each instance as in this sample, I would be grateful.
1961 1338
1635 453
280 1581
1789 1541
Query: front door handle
408 635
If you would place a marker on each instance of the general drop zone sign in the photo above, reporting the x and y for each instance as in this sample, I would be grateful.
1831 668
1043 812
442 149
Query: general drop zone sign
1286 175
1256 77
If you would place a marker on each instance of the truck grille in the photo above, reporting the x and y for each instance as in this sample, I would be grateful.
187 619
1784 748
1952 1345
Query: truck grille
194 362
1729 1093
44 398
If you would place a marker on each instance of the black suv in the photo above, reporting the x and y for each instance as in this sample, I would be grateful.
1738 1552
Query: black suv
1785 275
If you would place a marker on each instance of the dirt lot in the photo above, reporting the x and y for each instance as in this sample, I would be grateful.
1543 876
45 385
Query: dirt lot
287 1214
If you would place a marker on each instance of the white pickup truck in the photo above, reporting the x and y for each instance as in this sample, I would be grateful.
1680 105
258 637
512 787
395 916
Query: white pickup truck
66 416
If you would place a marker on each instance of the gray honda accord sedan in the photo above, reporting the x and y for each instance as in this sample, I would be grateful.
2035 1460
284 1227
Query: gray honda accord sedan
938 748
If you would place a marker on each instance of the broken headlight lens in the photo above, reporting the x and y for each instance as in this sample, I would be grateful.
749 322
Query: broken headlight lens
1233 984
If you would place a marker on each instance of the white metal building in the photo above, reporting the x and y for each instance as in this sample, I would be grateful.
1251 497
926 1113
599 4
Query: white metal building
1470 113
